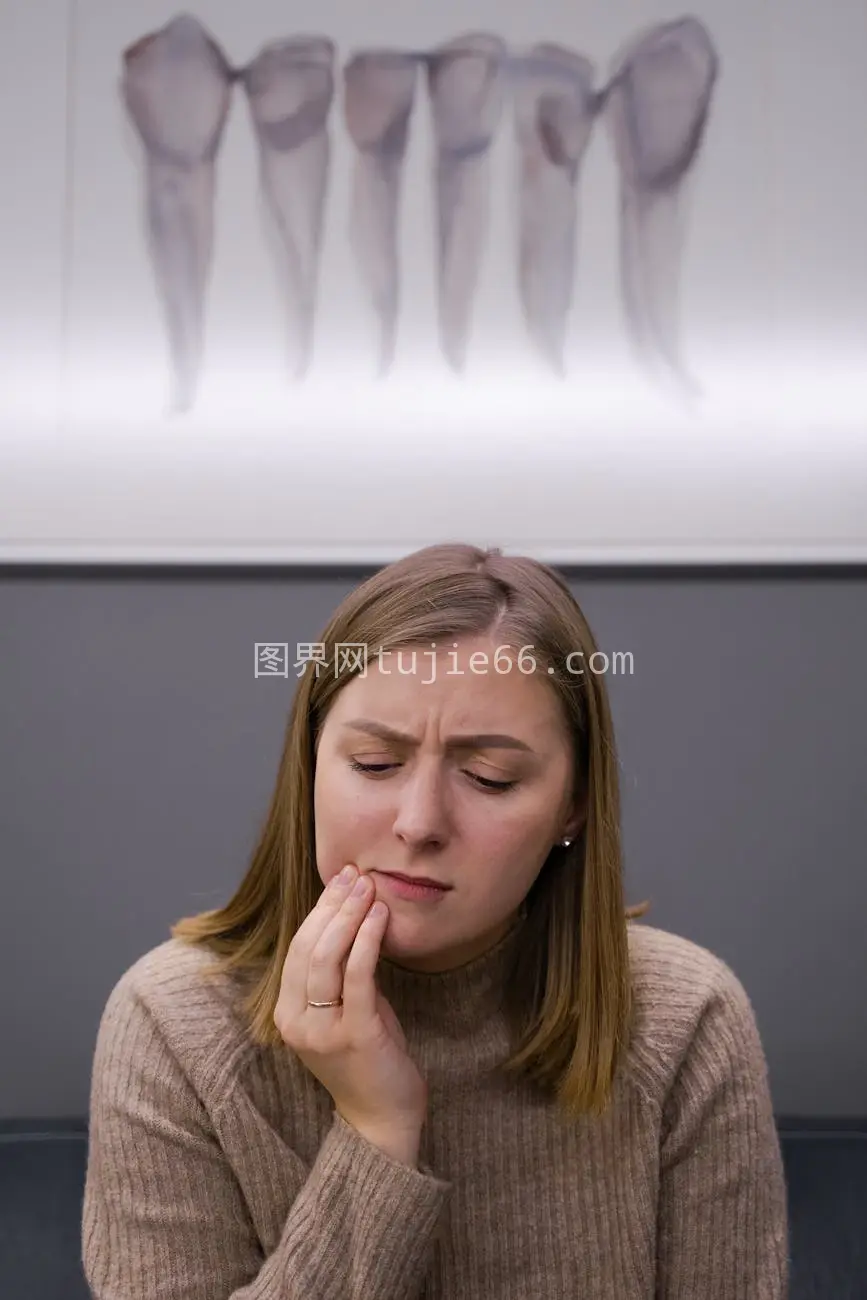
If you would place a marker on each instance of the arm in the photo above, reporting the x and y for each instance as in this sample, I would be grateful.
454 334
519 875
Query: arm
164 1217
723 1231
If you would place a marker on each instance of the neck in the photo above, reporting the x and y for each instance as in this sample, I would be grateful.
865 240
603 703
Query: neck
454 1001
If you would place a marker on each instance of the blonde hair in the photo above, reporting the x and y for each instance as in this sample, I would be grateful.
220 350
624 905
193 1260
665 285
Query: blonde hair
568 996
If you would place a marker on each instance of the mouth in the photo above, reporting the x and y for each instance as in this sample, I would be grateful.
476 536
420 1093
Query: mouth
419 882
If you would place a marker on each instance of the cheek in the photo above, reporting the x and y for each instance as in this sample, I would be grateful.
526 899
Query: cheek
518 845
345 819
333 791
329 805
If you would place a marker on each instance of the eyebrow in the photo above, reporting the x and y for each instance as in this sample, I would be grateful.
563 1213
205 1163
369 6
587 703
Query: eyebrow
488 741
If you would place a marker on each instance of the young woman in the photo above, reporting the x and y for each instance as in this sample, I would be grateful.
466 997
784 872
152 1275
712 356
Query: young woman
501 1085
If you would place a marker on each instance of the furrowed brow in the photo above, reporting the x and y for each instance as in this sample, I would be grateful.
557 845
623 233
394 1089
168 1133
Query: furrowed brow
489 740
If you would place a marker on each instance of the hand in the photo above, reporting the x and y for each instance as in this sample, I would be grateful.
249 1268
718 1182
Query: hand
357 1051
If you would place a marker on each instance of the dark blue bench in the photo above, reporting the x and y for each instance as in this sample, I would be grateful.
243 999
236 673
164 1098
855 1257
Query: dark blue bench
42 1165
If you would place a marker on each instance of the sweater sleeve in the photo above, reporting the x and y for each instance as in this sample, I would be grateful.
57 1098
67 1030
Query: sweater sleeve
722 1226
164 1216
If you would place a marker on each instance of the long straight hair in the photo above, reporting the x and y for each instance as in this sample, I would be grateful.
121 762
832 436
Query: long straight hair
569 995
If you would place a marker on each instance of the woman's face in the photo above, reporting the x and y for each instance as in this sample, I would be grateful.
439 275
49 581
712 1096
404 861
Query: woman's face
426 812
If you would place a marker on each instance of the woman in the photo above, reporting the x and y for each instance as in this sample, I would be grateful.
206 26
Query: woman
500 1086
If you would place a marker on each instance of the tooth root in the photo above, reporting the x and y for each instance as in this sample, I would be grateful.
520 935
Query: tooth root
651 241
466 82
658 102
290 90
379 90
555 107
177 85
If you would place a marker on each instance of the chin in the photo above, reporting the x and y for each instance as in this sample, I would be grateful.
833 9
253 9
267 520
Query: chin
398 937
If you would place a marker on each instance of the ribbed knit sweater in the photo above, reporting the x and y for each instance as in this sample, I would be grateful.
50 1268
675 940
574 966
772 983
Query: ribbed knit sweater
219 1170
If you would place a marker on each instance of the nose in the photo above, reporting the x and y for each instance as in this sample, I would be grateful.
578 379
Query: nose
422 813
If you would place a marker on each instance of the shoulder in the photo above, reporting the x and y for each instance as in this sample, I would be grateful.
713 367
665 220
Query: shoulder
686 999
670 966
173 1001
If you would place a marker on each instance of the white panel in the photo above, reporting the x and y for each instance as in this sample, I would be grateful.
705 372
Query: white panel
818 109
771 463
33 102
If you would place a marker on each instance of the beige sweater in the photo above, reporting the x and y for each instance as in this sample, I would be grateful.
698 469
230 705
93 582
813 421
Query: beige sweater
217 1170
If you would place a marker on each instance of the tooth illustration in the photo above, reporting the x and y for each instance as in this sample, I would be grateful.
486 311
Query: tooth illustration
290 89
378 96
658 102
177 85
466 82
555 107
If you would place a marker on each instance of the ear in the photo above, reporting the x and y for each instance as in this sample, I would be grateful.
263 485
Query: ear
574 828
578 820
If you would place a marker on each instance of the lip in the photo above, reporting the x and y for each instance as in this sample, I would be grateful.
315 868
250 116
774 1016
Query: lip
406 887
415 880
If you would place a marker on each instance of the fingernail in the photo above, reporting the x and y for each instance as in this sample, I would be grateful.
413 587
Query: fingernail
346 875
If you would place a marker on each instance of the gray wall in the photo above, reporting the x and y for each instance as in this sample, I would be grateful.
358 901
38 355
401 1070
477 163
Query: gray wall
138 751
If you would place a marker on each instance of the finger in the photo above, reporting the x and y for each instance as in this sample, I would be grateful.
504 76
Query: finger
324 980
293 987
359 981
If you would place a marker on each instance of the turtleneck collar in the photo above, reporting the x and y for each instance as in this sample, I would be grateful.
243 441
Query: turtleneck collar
455 1001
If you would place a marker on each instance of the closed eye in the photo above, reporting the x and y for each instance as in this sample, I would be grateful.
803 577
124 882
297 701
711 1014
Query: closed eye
374 769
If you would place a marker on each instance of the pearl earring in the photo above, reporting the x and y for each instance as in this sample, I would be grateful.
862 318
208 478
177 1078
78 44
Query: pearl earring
565 843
